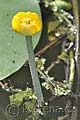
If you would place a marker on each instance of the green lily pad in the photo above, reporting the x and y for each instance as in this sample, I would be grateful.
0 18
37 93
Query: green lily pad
13 53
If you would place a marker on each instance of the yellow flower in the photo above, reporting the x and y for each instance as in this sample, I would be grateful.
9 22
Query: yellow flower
26 23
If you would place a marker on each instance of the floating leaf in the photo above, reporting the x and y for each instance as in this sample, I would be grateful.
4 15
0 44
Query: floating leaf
13 52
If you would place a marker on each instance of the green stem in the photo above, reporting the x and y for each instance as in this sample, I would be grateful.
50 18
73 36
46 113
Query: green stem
72 70
75 115
77 57
33 70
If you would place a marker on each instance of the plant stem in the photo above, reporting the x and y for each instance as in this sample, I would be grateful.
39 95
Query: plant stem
53 64
33 70
75 115
43 50
77 57
72 69
53 43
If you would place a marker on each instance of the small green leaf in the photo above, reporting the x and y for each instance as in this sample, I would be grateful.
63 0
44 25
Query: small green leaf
52 25
60 4
18 97
64 57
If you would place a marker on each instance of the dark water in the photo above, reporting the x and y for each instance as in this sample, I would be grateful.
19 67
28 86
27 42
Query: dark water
21 77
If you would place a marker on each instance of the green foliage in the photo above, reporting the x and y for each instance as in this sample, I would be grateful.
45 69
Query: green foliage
18 97
13 52
64 57
58 4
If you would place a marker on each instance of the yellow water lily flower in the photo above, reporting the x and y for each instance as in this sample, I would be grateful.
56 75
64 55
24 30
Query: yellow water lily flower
26 23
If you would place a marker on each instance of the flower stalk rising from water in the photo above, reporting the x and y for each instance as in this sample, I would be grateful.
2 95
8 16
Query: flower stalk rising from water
28 24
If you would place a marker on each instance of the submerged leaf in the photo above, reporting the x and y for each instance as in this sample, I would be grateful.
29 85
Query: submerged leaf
18 97
52 25
64 57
